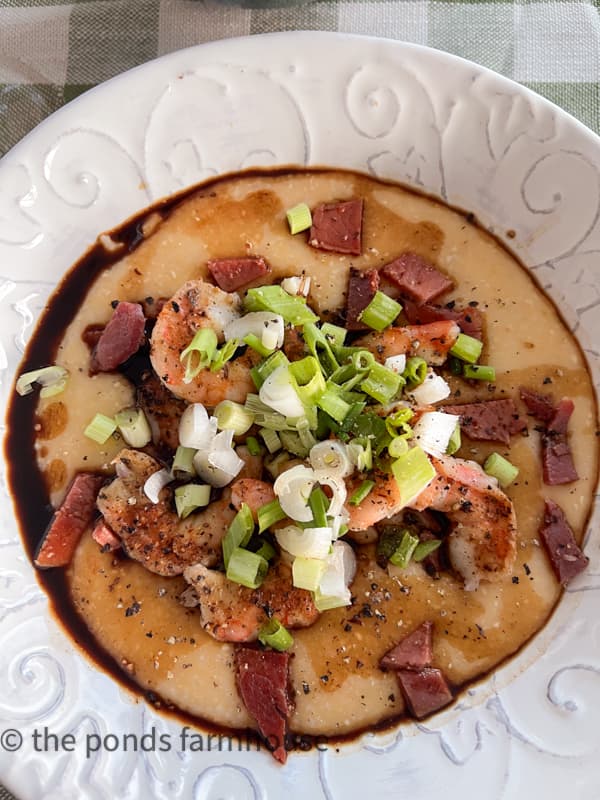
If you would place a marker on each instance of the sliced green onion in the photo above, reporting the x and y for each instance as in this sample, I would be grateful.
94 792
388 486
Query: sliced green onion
455 365
265 416
273 362
309 379
455 441
183 463
272 633
424 549
363 360
415 371
52 380
361 493
299 218
382 383
55 388
403 553
293 309
319 503
304 432
333 404
335 335
466 348
269 514
256 344
361 454
234 417
291 441
380 312
190 497
307 573
100 429
479 372
271 439
253 446
389 541
266 550
317 342
275 465
134 427
501 469
239 532
398 446
224 354
413 472
373 427
246 568
199 353
327 602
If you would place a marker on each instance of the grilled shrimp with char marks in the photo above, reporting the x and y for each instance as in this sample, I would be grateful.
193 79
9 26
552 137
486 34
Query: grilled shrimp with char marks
197 305
152 533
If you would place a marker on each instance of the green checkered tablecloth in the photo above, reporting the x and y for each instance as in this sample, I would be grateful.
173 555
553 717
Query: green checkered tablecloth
50 52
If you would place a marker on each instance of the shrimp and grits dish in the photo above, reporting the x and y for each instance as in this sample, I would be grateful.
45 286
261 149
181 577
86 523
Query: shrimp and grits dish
303 452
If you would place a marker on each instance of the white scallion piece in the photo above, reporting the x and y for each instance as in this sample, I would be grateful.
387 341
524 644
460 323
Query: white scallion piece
433 389
297 284
396 363
263 324
331 456
307 543
278 393
293 488
196 430
339 573
52 379
155 483
338 490
433 432
219 464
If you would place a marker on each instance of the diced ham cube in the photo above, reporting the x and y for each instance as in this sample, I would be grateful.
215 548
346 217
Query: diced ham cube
362 286
469 320
338 227
105 537
121 338
415 651
541 406
566 557
490 420
425 690
416 278
231 274
263 683
70 521
557 459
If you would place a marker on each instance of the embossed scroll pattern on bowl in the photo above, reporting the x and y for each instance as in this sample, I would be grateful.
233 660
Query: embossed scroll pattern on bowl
396 111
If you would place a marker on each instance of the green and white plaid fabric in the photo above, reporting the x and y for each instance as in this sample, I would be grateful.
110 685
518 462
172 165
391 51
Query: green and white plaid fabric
51 52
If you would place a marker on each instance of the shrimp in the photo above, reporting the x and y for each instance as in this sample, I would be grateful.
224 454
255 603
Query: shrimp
253 492
234 613
152 533
163 411
383 501
431 342
199 305
483 542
